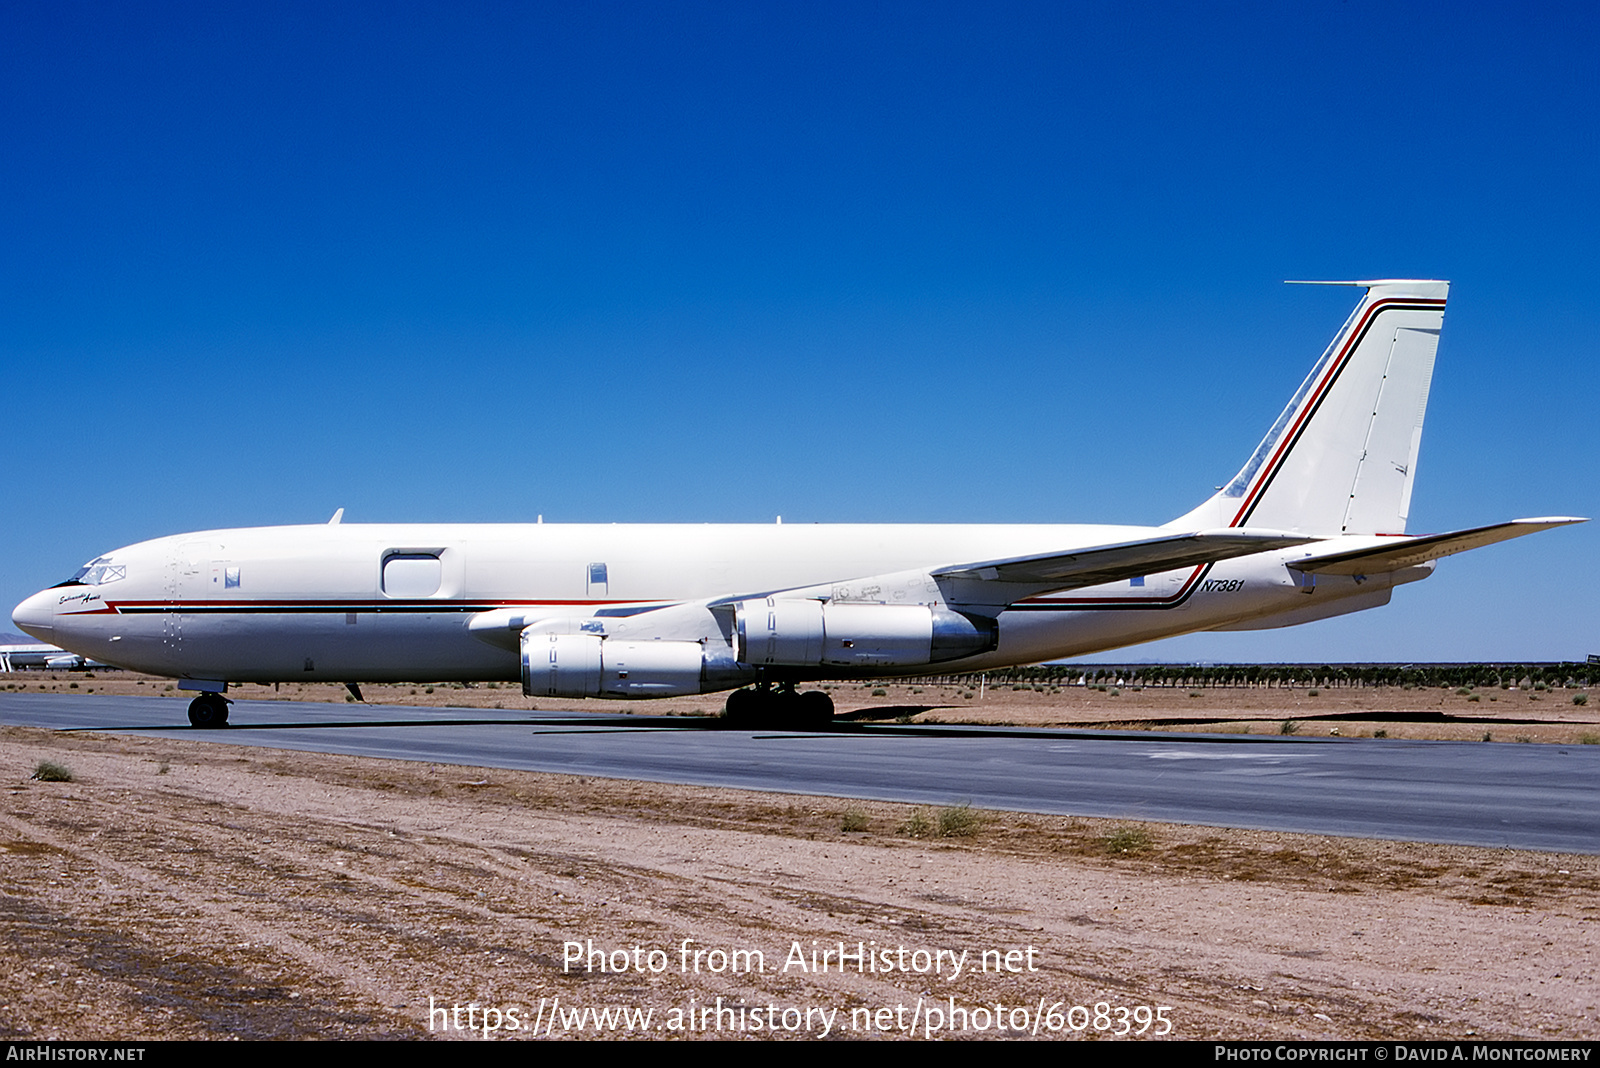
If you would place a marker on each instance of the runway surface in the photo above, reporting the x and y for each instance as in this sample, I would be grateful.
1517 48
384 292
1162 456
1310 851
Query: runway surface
1521 796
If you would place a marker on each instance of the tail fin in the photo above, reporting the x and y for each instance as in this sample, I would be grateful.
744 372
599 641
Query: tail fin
1342 457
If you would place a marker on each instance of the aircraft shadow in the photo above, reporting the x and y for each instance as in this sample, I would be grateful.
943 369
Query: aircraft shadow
848 724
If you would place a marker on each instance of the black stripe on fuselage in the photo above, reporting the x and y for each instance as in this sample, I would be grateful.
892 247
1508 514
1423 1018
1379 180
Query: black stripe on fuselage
1118 605
368 608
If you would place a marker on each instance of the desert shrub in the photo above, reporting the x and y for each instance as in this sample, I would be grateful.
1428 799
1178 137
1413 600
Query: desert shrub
916 825
959 821
1127 840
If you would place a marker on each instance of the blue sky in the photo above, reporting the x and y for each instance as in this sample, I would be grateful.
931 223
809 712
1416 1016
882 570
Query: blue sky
843 263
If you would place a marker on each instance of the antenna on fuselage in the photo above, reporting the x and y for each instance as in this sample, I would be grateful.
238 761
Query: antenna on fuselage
337 516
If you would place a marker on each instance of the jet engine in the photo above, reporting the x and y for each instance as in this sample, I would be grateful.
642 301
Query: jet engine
587 665
796 632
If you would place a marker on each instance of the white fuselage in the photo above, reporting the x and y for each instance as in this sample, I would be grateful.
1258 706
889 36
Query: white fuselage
358 603
1312 526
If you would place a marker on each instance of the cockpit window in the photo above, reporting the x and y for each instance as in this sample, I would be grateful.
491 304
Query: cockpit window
97 572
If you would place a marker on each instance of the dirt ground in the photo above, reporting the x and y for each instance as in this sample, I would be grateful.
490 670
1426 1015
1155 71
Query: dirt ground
184 889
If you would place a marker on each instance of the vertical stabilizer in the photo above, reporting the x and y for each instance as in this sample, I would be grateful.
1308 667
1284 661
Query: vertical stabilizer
1342 457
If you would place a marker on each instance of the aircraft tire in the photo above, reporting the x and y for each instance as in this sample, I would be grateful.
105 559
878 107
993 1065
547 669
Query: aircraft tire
208 710
814 710
743 709
809 711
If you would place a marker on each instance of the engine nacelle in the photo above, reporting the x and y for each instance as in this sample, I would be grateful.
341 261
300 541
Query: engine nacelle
796 632
586 665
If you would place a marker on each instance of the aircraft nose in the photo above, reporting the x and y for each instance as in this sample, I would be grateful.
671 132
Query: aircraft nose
37 616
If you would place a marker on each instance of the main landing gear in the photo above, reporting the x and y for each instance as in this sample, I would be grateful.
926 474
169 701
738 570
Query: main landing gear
779 706
209 710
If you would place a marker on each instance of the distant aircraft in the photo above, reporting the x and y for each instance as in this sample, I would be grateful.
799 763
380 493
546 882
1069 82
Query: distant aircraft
17 657
1313 526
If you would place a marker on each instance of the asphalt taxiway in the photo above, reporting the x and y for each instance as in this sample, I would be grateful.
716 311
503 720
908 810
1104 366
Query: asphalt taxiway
1488 794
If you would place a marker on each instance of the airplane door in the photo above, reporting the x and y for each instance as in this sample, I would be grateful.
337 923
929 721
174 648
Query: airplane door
186 587
171 620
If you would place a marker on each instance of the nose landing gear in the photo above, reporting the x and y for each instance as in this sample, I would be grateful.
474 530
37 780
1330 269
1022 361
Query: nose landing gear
209 710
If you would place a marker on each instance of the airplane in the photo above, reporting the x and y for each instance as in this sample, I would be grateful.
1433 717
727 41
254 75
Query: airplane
20 657
1312 527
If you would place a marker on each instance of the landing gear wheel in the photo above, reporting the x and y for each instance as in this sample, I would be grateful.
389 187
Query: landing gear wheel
209 710
779 708
744 708
813 711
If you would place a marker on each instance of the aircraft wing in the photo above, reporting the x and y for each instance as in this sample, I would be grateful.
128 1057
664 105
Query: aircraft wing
1409 552
1111 563
993 583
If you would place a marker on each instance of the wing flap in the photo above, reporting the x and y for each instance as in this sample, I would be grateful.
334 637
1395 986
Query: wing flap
1409 552
1099 564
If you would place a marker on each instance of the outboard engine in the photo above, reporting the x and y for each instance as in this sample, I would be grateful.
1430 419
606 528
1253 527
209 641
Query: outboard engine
587 665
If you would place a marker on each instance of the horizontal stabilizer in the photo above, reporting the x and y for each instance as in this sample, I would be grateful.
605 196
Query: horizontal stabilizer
1403 552
1113 563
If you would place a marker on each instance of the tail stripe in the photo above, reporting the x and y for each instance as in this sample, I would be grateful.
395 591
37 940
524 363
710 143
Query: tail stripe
1309 409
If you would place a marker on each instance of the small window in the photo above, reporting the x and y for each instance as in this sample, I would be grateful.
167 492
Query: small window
412 575
597 580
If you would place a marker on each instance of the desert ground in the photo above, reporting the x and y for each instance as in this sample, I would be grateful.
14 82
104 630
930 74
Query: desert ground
182 889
